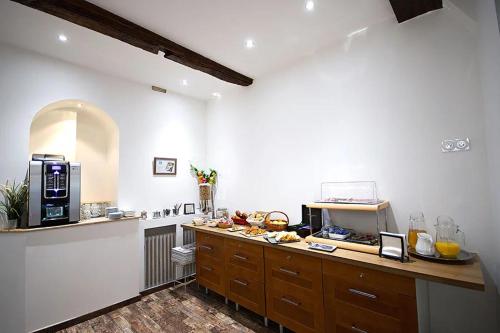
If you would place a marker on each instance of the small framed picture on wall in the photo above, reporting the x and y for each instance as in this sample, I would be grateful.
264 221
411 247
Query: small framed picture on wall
163 166
189 209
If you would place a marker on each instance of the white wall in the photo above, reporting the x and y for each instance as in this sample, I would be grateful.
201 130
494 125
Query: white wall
150 124
54 133
97 145
374 107
489 53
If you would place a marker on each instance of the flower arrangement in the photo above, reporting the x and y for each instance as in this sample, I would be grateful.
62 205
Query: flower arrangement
204 177
14 200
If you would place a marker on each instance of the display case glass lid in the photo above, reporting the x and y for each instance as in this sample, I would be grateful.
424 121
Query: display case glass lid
357 192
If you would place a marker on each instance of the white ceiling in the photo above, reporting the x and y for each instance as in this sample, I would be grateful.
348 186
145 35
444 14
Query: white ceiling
284 32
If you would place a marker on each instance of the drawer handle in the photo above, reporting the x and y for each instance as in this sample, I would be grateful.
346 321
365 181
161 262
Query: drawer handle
207 268
237 256
241 283
289 301
287 271
358 330
209 248
362 293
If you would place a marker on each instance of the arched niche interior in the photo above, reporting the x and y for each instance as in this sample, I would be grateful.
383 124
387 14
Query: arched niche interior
82 133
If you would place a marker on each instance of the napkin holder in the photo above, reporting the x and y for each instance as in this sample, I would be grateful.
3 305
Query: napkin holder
393 246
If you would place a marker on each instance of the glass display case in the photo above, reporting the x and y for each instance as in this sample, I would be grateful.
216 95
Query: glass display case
359 196
361 192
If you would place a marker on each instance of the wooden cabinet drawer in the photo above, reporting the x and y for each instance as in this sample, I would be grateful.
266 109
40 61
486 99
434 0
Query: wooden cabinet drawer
209 245
247 258
370 278
295 310
294 290
294 270
375 299
210 273
353 319
368 294
247 292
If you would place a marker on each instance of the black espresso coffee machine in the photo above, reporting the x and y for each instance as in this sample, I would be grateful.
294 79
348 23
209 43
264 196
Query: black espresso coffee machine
54 191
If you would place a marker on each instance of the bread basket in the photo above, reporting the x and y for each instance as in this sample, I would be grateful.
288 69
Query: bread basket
274 226
255 222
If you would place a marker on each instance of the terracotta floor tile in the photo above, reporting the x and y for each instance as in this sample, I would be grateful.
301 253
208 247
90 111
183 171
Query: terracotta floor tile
176 312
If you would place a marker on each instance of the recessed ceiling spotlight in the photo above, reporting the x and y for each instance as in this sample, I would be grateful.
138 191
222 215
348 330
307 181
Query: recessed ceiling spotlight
249 43
310 5
184 82
216 95
62 38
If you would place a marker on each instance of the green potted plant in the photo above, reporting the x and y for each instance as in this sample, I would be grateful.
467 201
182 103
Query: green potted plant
14 202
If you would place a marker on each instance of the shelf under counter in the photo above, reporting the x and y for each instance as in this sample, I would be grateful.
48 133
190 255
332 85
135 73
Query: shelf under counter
466 276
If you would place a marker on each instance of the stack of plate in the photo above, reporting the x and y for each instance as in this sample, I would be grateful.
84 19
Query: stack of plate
129 213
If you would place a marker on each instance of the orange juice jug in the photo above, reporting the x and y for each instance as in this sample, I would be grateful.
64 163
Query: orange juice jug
449 239
416 225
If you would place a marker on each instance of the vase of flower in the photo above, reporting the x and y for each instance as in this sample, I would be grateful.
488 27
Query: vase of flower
13 203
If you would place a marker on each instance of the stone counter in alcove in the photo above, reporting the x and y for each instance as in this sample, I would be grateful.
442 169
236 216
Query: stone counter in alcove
78 224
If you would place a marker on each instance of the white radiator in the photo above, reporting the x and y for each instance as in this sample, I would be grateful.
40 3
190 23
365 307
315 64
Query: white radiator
158 244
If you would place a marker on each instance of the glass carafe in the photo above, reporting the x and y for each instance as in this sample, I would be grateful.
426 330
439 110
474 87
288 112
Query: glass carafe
416 225
449 239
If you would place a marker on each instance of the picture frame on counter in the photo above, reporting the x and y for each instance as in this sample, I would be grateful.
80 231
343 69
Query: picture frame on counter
189 209
164 166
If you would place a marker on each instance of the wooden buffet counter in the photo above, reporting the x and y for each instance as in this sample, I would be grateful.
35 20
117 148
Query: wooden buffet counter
311 291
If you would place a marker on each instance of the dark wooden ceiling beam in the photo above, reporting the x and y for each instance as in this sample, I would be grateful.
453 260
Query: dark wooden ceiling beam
407 9
90 16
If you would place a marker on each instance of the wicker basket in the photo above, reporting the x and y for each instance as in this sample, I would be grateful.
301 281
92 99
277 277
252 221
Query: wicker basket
276 227
257 223
224 225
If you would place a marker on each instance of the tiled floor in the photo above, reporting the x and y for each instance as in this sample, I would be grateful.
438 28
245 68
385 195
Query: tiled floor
176 312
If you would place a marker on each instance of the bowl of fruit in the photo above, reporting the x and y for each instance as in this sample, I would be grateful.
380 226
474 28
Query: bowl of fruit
256 219
240 217
276 221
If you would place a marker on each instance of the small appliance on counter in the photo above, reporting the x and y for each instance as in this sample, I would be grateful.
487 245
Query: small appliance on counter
310 218
54 191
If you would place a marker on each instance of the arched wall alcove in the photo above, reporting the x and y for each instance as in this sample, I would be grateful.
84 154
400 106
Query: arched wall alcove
82 133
